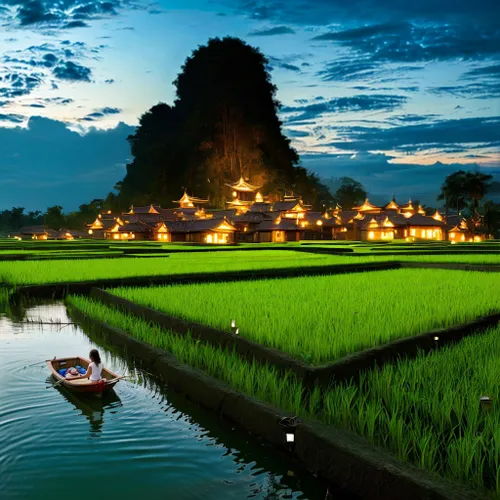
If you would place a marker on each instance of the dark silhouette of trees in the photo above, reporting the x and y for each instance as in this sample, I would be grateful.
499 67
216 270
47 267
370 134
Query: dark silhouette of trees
349 192
224 124
463 188
54 218
14 219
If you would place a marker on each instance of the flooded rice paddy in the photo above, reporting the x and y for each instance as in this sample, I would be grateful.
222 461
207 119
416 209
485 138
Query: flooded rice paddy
139 440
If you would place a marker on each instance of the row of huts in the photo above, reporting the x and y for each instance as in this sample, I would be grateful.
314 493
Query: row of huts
249 217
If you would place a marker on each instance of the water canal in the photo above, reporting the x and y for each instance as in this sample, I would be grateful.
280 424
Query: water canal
139 440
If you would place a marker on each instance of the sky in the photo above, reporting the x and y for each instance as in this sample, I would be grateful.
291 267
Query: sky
395 94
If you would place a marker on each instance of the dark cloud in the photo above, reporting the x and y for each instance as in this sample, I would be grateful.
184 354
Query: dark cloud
384 179
12 118
76 24
343 104
324 12
101 113
478 90
54 14
411 118
283 63
411 138
72 71
34 164
297 133
492 71
277 30
408 42
18 84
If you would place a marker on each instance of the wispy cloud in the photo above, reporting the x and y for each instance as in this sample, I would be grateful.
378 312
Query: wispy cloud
277 30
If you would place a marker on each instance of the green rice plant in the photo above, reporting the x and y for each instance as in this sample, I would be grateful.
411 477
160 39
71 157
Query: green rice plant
32 272
261 381
427 410
320 319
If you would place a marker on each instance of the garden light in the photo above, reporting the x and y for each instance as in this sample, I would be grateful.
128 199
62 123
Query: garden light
290 438
436 338
233 323
486 403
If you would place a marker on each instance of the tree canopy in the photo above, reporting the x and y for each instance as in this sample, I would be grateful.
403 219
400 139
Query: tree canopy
223 124
347 192
463 188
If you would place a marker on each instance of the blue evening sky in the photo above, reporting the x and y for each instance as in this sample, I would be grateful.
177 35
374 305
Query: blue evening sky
393 93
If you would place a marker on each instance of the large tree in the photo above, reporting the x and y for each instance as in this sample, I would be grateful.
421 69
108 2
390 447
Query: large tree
347 192
224 124
464 188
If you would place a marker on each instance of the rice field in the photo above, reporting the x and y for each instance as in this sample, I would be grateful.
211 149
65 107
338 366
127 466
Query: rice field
262 382
427 410
321 319
62 271
437 425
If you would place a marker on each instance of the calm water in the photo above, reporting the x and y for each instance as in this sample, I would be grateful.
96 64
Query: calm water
139 440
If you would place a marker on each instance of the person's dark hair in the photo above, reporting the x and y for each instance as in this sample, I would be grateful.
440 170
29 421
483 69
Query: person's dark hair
94 356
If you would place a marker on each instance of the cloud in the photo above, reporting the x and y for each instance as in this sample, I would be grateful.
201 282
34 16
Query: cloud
277 30
68 14
18 84
12 118
47 164
370 102
384 179
72 71
283 63
101 113
478 90
325 12
409 42
411 138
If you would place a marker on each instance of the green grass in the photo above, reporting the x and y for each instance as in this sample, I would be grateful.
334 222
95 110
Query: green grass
23 273
323 318
427 410
260 381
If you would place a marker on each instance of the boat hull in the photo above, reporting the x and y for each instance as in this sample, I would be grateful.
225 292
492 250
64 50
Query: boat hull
84 386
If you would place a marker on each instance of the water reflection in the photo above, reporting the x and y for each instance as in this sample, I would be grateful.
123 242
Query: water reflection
92 407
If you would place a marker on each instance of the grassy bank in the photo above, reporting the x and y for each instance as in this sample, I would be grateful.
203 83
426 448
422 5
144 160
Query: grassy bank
424 410
263 382
427 410
320 319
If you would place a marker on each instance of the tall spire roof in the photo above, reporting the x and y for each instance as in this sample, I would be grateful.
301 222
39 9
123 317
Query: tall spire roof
189 201
243 185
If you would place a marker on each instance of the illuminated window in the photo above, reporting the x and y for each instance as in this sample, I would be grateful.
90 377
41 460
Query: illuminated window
422 233
209 238
429 233
371 235
116 236
452 236
412 232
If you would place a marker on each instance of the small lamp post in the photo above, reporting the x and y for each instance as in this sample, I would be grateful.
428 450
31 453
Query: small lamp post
486 403
289 425
234 328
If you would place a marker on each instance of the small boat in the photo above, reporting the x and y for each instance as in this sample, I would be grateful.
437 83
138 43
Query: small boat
83 385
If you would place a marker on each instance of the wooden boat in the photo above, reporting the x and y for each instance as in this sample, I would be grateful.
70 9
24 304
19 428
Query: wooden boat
83 385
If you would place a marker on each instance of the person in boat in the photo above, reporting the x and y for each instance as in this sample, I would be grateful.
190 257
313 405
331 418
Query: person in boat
94 371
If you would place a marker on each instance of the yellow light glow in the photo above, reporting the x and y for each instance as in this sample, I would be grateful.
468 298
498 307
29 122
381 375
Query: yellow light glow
463 237
344 230
453 242
452 236
90 231
477 238
116 236
245 229
437 216
388 223
259 198
209 238
371 235
319 222
412 232
235 194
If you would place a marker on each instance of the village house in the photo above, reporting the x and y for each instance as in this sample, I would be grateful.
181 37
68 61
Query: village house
250 217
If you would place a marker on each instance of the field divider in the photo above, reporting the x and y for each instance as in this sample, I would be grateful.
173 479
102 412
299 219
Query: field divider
347 460
245 348
346 368
484 268
60 290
